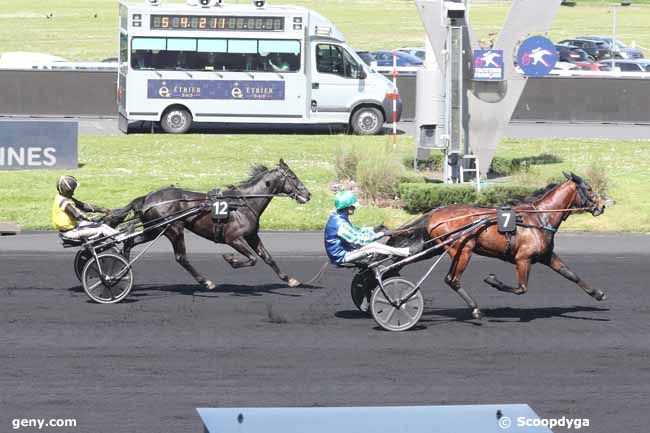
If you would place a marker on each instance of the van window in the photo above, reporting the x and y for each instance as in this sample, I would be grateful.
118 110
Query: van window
252 55
333 59
124 48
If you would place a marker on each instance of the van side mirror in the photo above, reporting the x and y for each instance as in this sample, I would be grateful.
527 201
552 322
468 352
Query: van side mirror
361 75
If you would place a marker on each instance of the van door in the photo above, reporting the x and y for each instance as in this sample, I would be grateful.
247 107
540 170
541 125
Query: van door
335 83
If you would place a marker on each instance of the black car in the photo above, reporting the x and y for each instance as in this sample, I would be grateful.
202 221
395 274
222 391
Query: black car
571 54
597 50
618 48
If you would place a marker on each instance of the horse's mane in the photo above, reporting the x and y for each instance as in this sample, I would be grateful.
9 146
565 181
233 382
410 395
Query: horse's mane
535 195
254 174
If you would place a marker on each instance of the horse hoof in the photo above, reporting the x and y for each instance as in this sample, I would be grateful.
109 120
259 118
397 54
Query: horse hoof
293 282
600 295
476 314
209 285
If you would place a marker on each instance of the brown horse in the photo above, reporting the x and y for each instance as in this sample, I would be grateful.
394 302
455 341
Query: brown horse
540 217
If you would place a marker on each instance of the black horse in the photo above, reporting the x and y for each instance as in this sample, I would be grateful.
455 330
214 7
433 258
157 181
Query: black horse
239 230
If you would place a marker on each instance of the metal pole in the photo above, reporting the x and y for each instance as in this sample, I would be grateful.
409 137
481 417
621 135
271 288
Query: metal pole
394 100
611 47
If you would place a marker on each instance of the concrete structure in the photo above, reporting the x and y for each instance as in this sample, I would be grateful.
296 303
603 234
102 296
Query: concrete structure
475 112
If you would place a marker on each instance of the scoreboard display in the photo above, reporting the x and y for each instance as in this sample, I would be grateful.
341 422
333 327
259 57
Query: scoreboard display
225 23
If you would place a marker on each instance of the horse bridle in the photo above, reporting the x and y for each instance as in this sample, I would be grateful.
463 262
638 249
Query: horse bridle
584 200
293 194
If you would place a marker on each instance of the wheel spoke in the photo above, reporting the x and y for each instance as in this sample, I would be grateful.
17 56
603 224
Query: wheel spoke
391 314
382 301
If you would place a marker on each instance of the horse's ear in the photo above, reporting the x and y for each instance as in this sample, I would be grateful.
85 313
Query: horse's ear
282 163
577 179
567 175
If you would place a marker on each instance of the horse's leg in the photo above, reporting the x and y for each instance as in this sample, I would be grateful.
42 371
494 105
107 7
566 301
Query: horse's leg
129 244
459 260
522 268
554 262
176 236
256 243
241 246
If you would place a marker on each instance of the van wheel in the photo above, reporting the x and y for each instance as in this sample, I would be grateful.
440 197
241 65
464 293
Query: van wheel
176 120
367 121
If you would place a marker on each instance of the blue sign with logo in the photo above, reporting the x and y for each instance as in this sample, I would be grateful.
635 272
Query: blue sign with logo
216 89
35 144
537 56
488 65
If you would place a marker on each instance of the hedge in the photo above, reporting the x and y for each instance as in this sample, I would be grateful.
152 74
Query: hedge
419 197
500 166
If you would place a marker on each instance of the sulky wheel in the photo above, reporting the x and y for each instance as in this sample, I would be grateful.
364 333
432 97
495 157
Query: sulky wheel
112 284
82 258
80 261
363 284
390 308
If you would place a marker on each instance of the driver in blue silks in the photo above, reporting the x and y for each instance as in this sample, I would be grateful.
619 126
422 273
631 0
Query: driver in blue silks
346 243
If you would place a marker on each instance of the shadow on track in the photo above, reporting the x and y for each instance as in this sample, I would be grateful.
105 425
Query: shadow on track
500 315
494 315
147 290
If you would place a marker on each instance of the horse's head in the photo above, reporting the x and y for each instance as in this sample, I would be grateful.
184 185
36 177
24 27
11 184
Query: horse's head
290 184
585 196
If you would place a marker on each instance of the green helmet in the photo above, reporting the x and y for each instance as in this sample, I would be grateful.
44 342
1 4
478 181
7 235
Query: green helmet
344 199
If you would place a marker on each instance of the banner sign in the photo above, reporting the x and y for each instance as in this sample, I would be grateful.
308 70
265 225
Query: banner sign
216 89
537 56
35 144
488 65
511 418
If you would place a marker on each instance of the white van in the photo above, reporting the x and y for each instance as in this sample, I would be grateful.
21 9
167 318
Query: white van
181 64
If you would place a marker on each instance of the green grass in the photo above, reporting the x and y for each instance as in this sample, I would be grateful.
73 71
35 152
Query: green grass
75 33
118 169
627 164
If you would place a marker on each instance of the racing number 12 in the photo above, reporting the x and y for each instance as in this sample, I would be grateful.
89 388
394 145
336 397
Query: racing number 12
220 210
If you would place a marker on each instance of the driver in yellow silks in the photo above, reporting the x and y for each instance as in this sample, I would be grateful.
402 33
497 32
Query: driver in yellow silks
69 214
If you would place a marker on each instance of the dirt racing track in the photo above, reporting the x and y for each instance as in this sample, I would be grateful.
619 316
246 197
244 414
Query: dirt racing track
145 364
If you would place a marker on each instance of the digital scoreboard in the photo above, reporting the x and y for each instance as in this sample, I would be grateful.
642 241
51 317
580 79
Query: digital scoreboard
225 23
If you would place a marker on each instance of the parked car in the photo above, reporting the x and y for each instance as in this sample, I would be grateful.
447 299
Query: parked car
638 65
385 59
571 54
565 66
366 57
618 48
598 50
418 52
588 66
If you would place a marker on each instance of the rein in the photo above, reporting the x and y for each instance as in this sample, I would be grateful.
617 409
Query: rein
491 212
207 199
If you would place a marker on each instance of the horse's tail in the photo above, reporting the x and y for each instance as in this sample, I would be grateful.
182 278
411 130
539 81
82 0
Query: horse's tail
411 232
117 216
